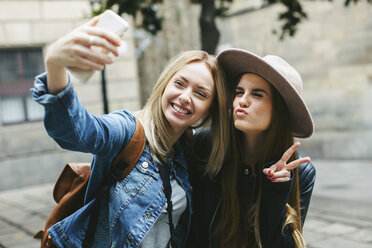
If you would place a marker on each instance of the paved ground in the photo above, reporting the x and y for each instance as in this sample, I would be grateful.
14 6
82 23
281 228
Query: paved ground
339 215
340 211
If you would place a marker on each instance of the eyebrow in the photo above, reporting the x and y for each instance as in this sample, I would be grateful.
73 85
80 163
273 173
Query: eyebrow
260 90
199 86
254 90
184 79
204 88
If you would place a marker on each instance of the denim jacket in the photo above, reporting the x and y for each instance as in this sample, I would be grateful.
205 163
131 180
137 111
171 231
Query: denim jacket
134 203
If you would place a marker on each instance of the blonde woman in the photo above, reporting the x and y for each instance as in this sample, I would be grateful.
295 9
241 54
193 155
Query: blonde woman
190 91
260 196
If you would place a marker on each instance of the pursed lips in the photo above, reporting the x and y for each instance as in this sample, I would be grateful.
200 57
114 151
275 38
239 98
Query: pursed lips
240 111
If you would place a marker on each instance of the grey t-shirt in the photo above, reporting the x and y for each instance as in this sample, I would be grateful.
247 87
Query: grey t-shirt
159 234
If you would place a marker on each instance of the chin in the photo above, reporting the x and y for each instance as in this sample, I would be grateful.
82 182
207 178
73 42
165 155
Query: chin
239 126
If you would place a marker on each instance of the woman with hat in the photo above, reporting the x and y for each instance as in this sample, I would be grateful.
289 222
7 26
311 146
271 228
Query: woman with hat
260 196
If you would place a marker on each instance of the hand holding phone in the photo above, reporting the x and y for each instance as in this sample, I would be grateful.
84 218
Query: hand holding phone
110 21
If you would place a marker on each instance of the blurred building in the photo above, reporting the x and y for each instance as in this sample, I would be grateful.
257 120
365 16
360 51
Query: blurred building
332 51
27 155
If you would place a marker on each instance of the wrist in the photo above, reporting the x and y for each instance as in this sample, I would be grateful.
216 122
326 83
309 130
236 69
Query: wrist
57 78
52 67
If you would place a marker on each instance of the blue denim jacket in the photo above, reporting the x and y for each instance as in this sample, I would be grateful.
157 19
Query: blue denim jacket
134 203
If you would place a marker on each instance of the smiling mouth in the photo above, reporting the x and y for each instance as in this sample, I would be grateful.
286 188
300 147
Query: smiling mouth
180 110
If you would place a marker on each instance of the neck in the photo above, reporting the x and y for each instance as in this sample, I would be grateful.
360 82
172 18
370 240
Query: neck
252 148
175 135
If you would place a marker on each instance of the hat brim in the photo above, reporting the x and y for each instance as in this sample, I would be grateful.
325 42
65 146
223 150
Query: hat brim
235 62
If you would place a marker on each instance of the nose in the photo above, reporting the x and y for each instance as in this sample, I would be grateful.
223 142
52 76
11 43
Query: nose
184 98
244 102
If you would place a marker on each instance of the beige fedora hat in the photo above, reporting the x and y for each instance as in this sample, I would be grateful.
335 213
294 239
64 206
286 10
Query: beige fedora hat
283 77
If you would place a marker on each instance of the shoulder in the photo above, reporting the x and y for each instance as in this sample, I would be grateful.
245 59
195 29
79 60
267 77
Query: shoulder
201 138
201 135
125 115
124 118
307 174
307 170
119 127
201 143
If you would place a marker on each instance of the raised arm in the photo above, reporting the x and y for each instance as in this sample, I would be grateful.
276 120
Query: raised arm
277 184
66 120
74 51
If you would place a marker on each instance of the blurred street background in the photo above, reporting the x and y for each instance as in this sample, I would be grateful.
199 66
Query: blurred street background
339 214
331 49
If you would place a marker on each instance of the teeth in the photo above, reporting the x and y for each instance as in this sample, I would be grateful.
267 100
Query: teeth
180 110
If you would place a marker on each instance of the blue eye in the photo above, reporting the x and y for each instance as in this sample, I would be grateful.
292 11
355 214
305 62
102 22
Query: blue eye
202 94
178 83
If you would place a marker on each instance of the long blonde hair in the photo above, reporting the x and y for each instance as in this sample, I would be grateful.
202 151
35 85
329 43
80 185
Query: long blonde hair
240 227
156 125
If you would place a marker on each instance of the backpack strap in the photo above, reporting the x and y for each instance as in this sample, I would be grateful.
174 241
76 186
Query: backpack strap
120 167
133 150
164 170
130 154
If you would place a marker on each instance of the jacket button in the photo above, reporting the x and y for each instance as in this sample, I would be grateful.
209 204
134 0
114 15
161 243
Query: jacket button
145 165
131 241
149 216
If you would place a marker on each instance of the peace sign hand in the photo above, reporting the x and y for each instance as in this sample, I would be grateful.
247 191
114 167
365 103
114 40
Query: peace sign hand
281 171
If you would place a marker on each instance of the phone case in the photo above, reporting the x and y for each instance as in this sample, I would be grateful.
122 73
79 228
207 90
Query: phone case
112 22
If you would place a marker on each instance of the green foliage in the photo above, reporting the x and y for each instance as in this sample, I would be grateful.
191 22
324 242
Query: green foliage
291 17
347 2
151 22
98 10
146 9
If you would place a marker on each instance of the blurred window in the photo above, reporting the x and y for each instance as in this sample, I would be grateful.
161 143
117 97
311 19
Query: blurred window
18 67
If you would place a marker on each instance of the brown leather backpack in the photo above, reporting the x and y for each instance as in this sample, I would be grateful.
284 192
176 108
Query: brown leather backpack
69 190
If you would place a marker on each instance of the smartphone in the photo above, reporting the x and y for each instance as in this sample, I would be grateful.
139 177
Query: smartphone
112 22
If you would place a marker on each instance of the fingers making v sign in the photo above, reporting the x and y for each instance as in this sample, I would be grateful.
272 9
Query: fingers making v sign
281 170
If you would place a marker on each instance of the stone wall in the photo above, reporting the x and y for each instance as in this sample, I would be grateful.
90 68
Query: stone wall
180 33
27 155
332 50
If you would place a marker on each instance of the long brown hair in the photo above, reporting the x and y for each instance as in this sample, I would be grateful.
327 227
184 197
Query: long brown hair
240 227
156 125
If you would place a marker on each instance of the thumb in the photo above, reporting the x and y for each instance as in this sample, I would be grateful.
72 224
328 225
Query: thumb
270 171
93 21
